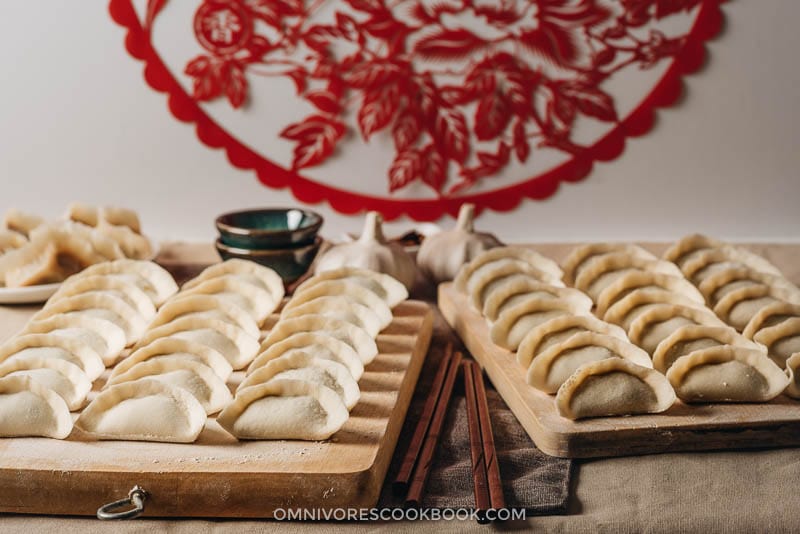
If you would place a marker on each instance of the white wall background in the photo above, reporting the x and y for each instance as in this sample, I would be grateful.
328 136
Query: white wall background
77 122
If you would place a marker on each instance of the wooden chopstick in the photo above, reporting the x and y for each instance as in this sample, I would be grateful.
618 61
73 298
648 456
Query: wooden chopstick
403 478
497 499
423 467
479 480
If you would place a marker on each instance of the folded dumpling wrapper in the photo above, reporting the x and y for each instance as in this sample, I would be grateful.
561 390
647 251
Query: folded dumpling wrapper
770 315
549 269
284 409
339 307
255 300
247 271
389 289
626 310
105 337
513 324
29 409
318 344
61 376
181 348
349 287
149 276
657 323
127 291
579 256
508 291
214 306
354 336
692 337
781 340
558 330
738 307
603 270
633 280
793 373
726 374
52 346
485 278
613 387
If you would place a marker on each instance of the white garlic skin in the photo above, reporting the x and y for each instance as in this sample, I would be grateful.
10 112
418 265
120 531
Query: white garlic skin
442 255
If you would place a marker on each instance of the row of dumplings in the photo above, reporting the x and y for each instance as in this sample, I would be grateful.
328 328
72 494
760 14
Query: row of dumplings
34 251
47 370
748 293
305 380
704 359
590 364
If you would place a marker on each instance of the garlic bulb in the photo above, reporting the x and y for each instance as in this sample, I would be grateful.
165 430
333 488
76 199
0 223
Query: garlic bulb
371 251
441 255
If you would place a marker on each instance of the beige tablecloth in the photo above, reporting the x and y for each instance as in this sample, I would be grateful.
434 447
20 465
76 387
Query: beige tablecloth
725 492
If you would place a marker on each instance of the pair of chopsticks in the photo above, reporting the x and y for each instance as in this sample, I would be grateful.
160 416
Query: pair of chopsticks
415 469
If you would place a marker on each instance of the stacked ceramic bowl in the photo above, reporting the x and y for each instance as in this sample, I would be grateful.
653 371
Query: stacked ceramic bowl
283 239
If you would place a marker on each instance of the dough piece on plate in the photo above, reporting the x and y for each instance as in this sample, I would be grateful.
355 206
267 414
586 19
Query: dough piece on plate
550 369
300 365
354 336
176 348
770 315
134 246
150 277
249 271
102 305
213 306
144 410
284 409
60 376
602 271
11 240
687 247
485 278
551 271
514 323
105 337
100 247
21 222
558 330
738 307
197 378
638 301
343 287
655 324
718 285
319 344
30 409
256 301
339 307
31 265
793 372
232 342
634 280
577 259
781 340
35 346
613 387
726 374
703 263
509 291
690 338
83 213
117 216
127 291
390 290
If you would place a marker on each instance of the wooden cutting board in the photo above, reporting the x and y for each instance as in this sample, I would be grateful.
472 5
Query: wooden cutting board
218 476
682 428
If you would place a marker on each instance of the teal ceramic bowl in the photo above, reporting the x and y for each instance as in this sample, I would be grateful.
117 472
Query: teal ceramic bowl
289 263
269 228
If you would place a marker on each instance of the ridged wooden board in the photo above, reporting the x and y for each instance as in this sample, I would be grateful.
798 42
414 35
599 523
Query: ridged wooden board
218 476
682 428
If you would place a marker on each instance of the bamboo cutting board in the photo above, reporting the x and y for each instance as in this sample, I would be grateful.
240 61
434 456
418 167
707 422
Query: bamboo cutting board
681 428
218 476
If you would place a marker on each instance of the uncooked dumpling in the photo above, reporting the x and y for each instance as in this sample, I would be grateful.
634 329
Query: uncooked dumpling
319 344
704 263
11 240
354 336
558 330
343 287
770 315
551 271
580 256
144 410
634 280
182 348
638 301
60 376
133 245
235 344
339 307
195 377
213 306
130 293
613 387
284 409
513 324
509 291
30 409
256 301
602 271
247 271
720 284
781 340
31 264
793 372
390 290
726 374
21 222
300 365
688 246
738 307
654 325
690 338
489 275
102 335
554 366
34 346
149 276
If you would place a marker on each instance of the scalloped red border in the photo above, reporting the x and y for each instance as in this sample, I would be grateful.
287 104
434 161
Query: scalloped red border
641 120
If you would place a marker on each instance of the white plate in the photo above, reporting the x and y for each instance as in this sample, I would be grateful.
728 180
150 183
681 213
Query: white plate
27 295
